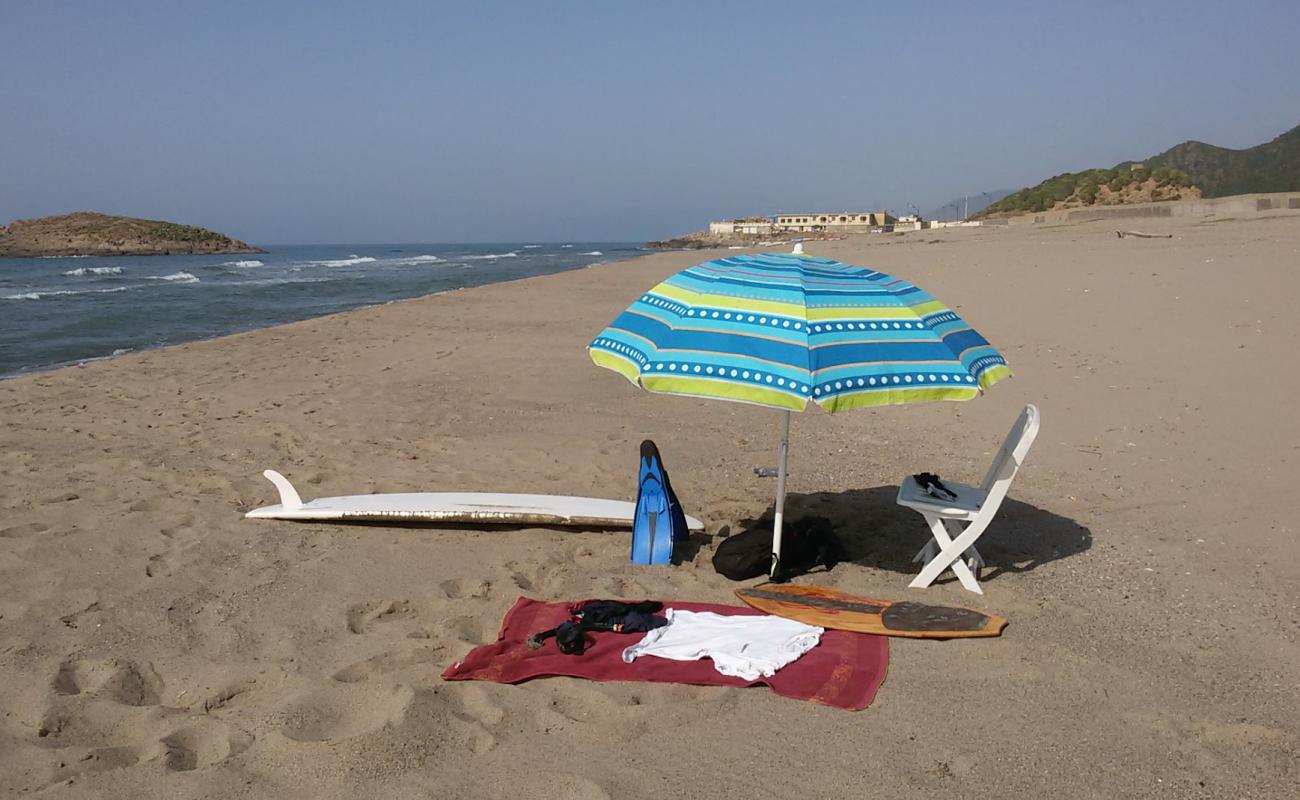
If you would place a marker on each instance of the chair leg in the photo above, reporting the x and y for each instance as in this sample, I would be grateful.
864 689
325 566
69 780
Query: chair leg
950 555
972 556
926 553
947 556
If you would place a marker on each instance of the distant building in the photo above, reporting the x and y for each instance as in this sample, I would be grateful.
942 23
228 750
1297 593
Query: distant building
847 221
749 226
844 221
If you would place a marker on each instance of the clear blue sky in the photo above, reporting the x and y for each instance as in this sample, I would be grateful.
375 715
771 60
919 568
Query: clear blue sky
482 121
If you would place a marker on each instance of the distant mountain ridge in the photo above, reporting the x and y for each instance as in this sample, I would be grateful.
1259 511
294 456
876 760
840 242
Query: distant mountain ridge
86 233
1219 171
1188 170
955 208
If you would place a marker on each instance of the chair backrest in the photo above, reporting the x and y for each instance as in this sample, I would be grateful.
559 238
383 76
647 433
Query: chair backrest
1007 461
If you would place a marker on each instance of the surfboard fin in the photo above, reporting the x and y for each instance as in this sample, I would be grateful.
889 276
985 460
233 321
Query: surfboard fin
289 498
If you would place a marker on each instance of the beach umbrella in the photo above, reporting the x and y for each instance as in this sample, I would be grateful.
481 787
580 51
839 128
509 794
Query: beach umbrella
779 330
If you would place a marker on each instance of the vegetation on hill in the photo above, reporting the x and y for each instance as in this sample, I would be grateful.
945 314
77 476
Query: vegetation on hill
1191 169
187 233
1218 172
88 233
1124 184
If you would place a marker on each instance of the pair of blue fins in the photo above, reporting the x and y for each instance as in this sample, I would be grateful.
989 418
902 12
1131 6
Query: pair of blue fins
659 521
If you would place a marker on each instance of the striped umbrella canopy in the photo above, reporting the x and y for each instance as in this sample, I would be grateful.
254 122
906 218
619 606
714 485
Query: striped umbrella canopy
779 330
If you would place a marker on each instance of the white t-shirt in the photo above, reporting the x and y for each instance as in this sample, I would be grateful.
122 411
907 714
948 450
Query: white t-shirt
747 647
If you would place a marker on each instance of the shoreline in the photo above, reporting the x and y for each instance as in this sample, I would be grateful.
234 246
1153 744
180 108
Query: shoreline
118 352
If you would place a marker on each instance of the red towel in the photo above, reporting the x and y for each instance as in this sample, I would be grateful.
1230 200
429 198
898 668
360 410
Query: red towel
843 671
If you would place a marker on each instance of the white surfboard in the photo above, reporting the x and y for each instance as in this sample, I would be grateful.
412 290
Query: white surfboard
470 507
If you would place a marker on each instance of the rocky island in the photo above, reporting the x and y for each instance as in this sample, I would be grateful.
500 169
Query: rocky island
85 233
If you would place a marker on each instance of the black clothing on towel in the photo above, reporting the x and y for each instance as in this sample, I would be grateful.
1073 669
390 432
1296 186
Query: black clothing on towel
600 615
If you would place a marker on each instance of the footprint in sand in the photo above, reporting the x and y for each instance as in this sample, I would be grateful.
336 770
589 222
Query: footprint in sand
100 759
469 630
127 683
459 588
583 704
464 711
533 577
478 706
23 531
159 565
385 663
331 713
362 617
92 703
203 744
228 695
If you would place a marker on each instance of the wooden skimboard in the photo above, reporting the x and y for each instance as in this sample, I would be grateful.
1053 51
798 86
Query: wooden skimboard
828 608
468 507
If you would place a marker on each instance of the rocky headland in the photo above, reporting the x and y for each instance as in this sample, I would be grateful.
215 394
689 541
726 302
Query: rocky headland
86 233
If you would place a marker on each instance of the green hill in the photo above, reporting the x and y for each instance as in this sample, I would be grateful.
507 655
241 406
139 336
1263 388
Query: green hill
1107 187
1270 167
1191 169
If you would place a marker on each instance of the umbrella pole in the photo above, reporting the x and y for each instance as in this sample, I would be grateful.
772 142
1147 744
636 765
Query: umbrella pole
780 496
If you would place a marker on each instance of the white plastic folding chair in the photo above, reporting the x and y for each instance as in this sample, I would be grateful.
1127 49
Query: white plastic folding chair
951 544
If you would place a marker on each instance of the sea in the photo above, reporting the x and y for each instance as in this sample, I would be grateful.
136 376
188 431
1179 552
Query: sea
59 311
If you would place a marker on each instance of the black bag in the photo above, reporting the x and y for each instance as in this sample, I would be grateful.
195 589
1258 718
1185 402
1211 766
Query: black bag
805 544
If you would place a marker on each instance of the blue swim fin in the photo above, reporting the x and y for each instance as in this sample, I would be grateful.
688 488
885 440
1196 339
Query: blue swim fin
653 522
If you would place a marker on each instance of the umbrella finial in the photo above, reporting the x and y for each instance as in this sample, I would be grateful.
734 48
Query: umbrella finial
798 249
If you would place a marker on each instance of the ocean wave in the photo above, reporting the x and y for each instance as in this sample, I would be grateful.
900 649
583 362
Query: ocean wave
81 271
252 262
83 256
566 245
531 246
41 293
592 253
175 277
351 260
283 281
511 254
416 260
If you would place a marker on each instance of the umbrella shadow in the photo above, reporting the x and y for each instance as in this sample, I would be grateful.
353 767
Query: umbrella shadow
877 532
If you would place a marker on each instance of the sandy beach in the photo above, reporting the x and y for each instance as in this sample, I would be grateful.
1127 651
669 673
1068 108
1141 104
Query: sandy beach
155 644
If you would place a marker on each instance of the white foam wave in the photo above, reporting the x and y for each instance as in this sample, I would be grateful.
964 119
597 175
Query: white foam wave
37 295
351 260
511 254
82 256
283 281
175 277
417 260
592 253
566 245
121 351
81 271
531 246
248 264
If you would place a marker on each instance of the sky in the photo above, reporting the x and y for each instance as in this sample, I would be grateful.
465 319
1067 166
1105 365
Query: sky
352 122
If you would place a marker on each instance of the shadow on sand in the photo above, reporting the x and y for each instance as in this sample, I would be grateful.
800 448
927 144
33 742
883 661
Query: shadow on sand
877 532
